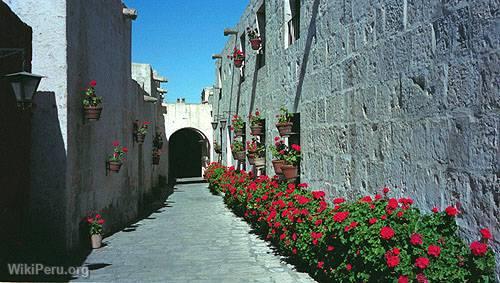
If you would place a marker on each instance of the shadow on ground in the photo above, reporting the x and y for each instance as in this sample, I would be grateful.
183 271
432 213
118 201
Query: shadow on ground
35 255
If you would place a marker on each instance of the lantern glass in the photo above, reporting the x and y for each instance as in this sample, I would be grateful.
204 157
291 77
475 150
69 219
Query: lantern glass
214 125
223 123
24 86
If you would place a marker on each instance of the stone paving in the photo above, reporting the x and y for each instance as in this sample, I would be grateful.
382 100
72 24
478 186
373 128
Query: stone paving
195 238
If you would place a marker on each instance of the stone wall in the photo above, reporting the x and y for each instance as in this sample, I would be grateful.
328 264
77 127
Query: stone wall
76 42
392 93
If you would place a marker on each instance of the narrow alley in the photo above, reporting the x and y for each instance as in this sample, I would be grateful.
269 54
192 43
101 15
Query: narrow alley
193 238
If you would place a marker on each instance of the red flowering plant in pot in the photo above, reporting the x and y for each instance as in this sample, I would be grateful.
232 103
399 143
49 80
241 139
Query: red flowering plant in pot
156 155
284 124
369 239
256 152
256 123
254 37
140 130
237 125
238 150
92 104
95 222
292 161
115 161
279 151
238 57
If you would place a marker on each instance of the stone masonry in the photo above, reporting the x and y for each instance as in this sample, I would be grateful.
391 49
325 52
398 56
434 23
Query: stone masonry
392 93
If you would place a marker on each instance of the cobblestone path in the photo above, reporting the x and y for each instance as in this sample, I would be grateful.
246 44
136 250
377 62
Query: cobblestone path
194 239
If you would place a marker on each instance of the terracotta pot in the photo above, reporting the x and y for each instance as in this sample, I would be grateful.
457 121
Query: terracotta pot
92 113
284 128
238 63
238 133
139 138
239 155
260 162
156 159
96 241
256 130
251 158
115 166
290 172
277 164
256 43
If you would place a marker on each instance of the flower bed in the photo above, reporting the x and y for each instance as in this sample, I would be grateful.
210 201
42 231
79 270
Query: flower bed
373 239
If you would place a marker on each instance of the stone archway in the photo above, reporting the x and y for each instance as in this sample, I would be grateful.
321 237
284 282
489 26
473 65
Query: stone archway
189 153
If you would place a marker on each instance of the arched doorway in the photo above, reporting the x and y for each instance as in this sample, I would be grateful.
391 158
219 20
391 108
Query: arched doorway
189 149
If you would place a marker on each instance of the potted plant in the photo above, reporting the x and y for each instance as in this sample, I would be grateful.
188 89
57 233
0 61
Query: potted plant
95 223
115 161
238 57
278 150
158 141
256 124
255 153
140 130
217 148
284 124
156 156
238 150
237 125
255 39
92 104
292 160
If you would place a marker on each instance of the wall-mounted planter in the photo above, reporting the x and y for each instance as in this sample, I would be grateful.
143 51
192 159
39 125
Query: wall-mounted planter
290 172
260 162
251 158
114 166
238 63
284 129
277 164
256 130
92 113
156 157
139 138
238 132
256 43
239 155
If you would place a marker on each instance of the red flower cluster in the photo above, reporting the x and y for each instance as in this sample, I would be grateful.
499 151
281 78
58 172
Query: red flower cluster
386 233
392 257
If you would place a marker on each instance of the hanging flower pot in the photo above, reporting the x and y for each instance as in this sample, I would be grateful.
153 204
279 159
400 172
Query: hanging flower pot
115 166
139 138
256 43
96 241
239 155
156 157
238 63
256 130
92 113
238 132
290 172
260 162
251 158
92 104
277 164
284 128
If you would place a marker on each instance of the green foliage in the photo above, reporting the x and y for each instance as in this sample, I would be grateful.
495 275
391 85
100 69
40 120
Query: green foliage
371 239
284 116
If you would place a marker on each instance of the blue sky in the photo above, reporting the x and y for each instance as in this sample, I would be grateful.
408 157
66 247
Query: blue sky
179 37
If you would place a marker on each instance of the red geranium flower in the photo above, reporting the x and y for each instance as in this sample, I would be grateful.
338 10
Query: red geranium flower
366 199
485 233
435 209
348 267
421 278
434 251
338 200
318 194
392 204
403 279
478 248
100 221
125 149
386 233
372 221
340 216
93 83
386 190
422 262
116 143
320 264
451 211
416 239
330 248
